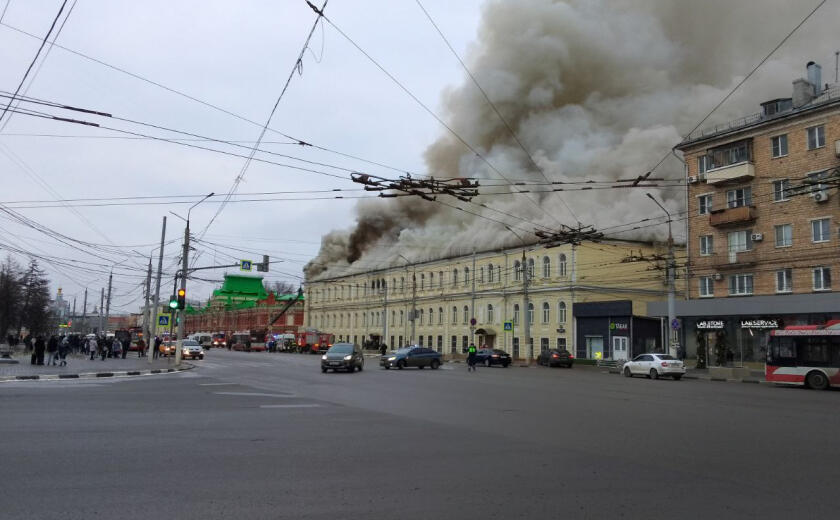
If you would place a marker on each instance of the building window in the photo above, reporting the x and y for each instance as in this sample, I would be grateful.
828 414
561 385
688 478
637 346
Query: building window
784 281
530 313
531 270
822 279
703 163
489 313
440 343
466 276
516 314
454 344
561 343
781 190
402 316
440 279
732 153
546 314
481 274
816 137
740 284
779 145
543 344
455 278
784 235
707 286
431 317
561 266
704 202
739 197
421 316
819 230
466 314
431 280
517 271
490 273
561 313
440 315
422 281
454 315
707 245
740 241
546 270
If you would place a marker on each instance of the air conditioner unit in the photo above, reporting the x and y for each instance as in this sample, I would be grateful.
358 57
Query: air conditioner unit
692 179
718 277
757 237
820 196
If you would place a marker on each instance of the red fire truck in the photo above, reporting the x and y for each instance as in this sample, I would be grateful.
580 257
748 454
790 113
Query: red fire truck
313 341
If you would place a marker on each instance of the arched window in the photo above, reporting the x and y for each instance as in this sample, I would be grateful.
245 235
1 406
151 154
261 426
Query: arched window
454 315
531 313
341 320
530 268
546 312
402 283
402 314
355 319
431 317
481 275
517 271
440 315
421 316
440 279
431 280
466 276
466 314
455 278
422 281
546 267
393 317
561 268
516 314
561 312
489 313
490 273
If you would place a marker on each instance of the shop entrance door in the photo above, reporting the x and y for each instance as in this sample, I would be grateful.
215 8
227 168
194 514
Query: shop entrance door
619 348
595 347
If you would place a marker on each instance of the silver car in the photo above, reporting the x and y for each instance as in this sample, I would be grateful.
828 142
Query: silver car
654 365
191 349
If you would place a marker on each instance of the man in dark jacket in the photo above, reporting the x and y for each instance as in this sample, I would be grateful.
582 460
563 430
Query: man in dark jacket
40 347
156 351
52 349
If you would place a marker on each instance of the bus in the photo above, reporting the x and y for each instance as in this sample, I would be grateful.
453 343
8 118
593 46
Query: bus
805 355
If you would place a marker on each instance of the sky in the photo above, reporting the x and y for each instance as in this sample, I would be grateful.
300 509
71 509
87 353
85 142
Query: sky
236 55
596 87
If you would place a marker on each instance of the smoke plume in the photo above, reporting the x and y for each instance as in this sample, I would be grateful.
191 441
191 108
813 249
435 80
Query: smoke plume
594 89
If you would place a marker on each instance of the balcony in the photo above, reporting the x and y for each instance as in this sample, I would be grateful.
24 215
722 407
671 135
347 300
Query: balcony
732 173
731 216
734 260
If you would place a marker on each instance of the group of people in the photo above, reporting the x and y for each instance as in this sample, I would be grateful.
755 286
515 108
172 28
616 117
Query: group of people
54 349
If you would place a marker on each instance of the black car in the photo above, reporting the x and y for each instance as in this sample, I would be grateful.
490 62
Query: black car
411 357
343 356
556 358
492 356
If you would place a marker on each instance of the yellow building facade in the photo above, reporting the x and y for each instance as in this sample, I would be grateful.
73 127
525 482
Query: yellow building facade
470 298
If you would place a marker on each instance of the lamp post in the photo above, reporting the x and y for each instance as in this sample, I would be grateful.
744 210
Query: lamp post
413 298
184 268
526 300
673 343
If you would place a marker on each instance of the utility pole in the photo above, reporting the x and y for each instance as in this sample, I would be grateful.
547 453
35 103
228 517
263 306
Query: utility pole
154 310
101 305
384 312
181 312
146 313
472 301
413 304
84 314
673 341
108 302
527 315
73 316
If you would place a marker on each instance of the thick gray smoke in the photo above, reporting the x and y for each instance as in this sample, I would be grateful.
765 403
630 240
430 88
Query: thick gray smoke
595 89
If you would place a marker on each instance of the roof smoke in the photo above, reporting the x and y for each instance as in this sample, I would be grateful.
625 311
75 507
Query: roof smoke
594 89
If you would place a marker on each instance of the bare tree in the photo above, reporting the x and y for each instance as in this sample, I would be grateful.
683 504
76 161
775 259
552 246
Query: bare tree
10 293
280 287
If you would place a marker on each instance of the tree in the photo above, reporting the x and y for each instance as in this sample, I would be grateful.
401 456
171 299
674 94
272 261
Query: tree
35 311
10 291
280 287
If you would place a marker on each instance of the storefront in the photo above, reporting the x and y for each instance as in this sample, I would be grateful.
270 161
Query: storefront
608 330
734 331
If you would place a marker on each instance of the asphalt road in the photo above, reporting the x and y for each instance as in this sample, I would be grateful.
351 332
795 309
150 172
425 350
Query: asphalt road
268 436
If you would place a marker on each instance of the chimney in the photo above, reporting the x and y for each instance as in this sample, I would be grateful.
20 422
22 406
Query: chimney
803 92
815 77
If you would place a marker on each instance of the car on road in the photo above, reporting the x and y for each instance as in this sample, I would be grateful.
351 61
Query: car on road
654 366
419 357
167 348
219 341
556 358
492 356
343 356
192 349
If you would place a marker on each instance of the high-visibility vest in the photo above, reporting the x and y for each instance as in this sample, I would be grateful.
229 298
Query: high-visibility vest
472 349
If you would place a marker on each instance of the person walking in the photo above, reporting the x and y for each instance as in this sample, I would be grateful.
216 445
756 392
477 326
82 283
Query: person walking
126 347
52 349
156 351
471 357
141 348
116 347
102 345
383 349
91 346
40 347
63 350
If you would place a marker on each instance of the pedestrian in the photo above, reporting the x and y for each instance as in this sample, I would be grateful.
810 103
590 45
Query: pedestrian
52 349
40 347
116 347
102 346
248 343
126 347
91 346
63 350
471 357
383 349
27 342
156 351
141 348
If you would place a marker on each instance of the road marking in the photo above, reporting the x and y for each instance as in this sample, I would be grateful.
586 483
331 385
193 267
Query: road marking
217 384
290 406
254 394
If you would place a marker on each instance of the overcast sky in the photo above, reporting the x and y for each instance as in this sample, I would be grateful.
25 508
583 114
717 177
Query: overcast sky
236 55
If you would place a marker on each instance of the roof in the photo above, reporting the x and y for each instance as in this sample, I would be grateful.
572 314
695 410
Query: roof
239 286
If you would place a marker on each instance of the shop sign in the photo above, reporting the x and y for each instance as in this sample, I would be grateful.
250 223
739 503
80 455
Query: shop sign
619 326
759 324
710 325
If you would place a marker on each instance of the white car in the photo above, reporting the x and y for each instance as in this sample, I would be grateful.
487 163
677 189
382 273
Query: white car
191 349
654 365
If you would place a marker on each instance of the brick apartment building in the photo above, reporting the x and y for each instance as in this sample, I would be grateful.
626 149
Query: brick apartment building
762 223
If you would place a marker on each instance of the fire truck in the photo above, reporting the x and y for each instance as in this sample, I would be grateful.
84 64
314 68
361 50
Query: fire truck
313 341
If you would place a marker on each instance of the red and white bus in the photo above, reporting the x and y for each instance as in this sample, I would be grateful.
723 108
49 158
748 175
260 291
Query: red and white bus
806 355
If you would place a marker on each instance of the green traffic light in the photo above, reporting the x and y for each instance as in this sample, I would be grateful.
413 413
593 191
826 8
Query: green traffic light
173 304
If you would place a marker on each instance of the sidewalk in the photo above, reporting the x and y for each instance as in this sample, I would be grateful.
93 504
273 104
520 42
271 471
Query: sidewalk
81 366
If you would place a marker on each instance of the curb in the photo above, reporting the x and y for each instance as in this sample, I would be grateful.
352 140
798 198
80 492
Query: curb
95 375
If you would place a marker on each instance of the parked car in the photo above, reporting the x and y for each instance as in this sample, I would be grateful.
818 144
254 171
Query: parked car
492 356
192 349
343 356
419 357
556 358
654 365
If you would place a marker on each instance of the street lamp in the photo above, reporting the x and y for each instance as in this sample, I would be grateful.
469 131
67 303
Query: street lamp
525 310
673 342
413 297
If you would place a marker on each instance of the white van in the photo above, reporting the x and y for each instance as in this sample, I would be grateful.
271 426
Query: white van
204 339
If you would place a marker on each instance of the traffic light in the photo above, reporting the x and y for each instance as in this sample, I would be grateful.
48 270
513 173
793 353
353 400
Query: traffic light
263 267
182 299
173 303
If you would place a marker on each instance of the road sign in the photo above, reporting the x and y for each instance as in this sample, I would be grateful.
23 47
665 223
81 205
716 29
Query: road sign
163 320
675 324
245 265
473 322
508 325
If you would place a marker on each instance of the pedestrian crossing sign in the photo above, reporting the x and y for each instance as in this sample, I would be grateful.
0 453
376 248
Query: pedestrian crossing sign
245 265
163 320
508 325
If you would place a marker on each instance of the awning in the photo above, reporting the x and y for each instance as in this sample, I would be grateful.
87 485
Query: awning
485 332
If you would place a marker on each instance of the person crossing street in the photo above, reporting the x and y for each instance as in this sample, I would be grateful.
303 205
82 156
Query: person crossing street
471 357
